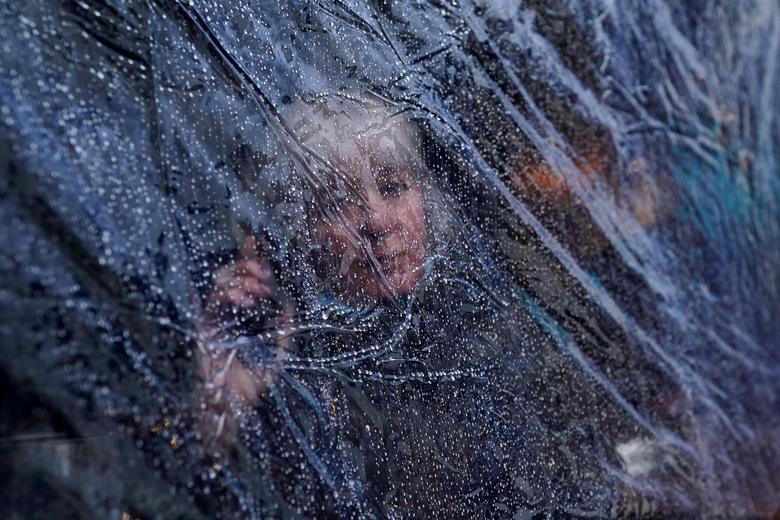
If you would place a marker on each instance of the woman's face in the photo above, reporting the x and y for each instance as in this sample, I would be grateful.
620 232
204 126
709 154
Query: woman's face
371 233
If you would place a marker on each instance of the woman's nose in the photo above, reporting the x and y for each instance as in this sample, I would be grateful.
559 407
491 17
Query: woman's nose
377 219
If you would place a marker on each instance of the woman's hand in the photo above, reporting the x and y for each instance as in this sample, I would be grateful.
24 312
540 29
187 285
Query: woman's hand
244 283
231 387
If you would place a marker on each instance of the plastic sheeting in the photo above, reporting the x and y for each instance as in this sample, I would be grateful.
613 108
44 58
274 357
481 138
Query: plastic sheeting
374 259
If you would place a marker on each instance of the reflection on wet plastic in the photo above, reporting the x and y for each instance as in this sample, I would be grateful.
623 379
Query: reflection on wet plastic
390 259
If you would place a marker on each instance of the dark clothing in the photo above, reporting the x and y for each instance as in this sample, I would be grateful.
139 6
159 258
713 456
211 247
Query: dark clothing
461 401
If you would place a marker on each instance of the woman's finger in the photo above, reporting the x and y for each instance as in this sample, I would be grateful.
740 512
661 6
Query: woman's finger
254 287
248 248
240 298
259 270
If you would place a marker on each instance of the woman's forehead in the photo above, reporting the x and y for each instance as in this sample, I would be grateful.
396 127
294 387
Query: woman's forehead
372 172
351 127
355 141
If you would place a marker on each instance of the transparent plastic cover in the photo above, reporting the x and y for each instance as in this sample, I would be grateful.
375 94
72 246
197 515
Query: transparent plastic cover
389 259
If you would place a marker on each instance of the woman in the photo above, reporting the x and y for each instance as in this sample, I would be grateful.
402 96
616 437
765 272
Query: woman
411 377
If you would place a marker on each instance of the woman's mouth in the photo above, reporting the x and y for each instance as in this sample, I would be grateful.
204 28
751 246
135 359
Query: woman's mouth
388 257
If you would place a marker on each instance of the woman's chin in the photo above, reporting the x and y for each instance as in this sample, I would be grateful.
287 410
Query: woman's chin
403 283
372 287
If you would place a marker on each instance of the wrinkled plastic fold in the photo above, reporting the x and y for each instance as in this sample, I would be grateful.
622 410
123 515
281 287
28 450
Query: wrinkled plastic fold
374 259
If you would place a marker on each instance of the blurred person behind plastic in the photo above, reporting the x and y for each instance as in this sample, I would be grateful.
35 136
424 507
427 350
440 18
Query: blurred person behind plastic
403 305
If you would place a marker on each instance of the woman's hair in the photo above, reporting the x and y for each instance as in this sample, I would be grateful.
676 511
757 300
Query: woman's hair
325 134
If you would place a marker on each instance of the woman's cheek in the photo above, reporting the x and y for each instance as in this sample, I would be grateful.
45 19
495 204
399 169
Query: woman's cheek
418 233
412 215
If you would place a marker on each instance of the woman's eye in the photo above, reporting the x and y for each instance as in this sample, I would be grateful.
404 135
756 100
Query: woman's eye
393 189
